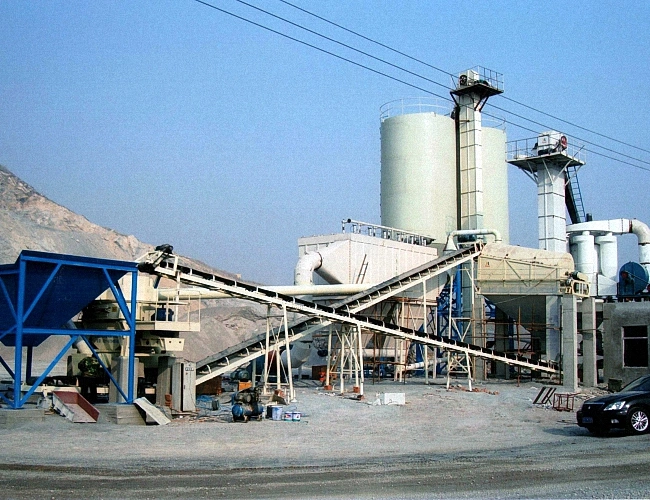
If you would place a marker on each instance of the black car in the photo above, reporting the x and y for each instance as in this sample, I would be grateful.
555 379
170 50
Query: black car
628 409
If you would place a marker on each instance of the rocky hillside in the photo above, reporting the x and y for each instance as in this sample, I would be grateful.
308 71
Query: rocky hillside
30 221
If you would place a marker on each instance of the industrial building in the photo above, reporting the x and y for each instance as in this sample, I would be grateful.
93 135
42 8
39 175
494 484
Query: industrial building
436 289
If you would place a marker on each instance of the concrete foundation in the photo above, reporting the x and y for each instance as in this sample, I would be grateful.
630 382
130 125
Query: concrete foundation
120 371
10 418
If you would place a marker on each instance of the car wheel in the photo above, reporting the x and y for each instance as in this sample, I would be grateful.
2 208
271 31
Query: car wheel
637 421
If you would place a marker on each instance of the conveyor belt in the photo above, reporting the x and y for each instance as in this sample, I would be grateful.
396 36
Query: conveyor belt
346 312
354 304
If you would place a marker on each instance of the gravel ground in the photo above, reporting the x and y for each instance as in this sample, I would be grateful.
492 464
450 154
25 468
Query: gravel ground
491 442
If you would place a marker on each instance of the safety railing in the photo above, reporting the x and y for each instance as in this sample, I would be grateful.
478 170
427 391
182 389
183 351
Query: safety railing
411 105
386 233
522 149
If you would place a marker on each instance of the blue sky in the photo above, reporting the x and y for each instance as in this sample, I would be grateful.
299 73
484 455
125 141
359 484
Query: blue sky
177 123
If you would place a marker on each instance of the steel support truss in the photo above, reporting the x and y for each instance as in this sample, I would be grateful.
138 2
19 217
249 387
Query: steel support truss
319 316
21 296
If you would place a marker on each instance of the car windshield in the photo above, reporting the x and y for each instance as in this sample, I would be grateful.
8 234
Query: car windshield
640 384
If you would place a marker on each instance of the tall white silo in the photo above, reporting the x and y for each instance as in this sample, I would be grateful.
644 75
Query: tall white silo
418 170
495 182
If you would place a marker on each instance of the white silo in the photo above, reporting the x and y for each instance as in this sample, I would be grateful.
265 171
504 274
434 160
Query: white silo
418 169
420 189
495 182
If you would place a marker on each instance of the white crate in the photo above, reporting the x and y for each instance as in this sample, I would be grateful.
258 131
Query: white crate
392 398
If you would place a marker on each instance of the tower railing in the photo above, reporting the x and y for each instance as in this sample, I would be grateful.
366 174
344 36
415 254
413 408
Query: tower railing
411 105
384 232
529 148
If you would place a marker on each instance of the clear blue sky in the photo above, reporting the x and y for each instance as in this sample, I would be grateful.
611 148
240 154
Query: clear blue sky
177 123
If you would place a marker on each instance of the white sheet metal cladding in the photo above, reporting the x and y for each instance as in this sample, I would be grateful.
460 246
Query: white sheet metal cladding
418 174
495 182
358 258
585 255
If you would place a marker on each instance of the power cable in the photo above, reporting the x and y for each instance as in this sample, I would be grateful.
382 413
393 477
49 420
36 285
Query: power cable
369 39
580 139
342 44
454 76
411 73
572 124
597 153
321 49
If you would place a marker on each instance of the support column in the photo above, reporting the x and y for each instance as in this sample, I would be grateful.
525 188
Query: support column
471 163
589 369
501 342
569 343
164 379
551 208
328 383
292 394
552 343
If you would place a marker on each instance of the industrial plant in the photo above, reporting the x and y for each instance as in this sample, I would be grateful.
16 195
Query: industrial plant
435 291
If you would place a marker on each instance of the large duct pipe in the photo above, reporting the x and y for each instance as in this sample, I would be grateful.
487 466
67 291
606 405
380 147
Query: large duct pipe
300 352
620 226
642 232
200 293
80 345
585 255
451 245
305 267
607 255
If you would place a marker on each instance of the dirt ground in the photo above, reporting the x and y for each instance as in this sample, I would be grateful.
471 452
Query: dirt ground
492 442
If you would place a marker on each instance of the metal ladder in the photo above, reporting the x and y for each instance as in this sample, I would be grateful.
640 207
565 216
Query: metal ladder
573 196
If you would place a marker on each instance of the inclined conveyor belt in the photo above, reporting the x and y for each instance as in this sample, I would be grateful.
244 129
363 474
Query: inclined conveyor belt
345 311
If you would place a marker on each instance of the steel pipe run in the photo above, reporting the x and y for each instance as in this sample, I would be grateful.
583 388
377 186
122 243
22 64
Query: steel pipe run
201 293
450 246
642 232
618 227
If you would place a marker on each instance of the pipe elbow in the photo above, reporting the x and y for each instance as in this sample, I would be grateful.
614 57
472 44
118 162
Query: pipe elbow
305 267
641 231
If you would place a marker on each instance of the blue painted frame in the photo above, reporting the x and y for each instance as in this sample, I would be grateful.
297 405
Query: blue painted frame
112 270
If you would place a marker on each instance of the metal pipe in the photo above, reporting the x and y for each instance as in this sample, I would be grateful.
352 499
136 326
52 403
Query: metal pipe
451 246
619 226
305 267
291 290
80 345
642 232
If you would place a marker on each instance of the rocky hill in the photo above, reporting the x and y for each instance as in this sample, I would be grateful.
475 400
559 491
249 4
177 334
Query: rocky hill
30 221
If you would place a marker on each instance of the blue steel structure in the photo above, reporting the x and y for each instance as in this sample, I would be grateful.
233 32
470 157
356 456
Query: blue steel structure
41 292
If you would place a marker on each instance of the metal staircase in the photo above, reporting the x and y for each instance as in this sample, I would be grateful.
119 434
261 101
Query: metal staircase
573 196
165 264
